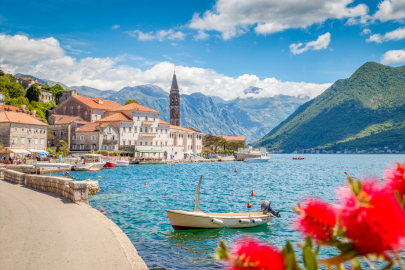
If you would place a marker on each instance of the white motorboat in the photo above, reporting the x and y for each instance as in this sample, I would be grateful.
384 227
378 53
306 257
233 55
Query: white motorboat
122 163
257 159
91 162
183 220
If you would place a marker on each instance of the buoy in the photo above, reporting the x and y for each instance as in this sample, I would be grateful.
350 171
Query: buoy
345 172
109 178
174 163
99 176
249 205
236 170
145 184
272 161
253 193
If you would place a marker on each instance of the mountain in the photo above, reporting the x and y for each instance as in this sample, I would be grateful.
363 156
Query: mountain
250 117
365 111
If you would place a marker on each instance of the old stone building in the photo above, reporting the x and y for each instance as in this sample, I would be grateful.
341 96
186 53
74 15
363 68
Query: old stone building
89 109
26 82
46 96
95 136
63 127
19 129
66 95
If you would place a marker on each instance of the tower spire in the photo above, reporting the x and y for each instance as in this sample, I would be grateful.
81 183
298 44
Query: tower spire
174 83
174 102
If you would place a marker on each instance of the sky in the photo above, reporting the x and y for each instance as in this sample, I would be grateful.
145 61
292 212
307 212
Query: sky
218 48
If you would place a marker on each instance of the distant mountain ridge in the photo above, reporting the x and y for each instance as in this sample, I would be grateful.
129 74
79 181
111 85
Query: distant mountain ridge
252 118
365 111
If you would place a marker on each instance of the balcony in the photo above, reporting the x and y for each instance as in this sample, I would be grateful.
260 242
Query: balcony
147 123
144 135
129 148
110 142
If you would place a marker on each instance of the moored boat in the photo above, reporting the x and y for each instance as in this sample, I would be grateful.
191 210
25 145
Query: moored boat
257 159
109 165
122 163
183 220
91 162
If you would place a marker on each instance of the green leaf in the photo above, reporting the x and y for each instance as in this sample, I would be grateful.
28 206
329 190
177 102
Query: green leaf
309 259
339 259
340 267
345 247
356 264
308 242
290 260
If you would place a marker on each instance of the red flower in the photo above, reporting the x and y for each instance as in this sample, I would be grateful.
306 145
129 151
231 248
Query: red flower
373 219
395 178
253 255
317 219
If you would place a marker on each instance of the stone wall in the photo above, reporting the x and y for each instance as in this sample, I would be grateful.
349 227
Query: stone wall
68 188
73 107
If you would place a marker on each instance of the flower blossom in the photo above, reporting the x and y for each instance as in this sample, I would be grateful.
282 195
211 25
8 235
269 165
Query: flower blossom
395 178
317 219
253 255
373 219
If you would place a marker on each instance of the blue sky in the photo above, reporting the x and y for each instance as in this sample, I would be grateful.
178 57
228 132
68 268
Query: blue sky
217 47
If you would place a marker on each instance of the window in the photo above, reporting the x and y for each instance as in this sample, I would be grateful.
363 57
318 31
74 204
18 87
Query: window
146 143
134 142
112 147
35 141
129 142
146 118
82 147
156 143
123 129
73 138
138 117
166 131
93 137
146 130
129 129
23 140
140 129
22 129
61 133
42 141
82 137
140 143
156 130
123 142
74 146
15 129
15 140
135 129
105 147
54 133
109 130
85 114
78 108
154 118
93 146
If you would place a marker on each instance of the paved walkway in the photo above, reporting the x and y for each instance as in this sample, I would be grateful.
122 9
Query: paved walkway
41 231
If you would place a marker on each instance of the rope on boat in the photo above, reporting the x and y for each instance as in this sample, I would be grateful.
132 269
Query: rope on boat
282 223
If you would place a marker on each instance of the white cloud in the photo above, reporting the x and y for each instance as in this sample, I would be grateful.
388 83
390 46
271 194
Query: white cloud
19 50
201 35
397 34
116 26
235 17
366 31
112 73
159 35
390 10
321 43
393 57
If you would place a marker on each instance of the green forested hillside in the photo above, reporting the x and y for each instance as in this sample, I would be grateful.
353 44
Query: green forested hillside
366 111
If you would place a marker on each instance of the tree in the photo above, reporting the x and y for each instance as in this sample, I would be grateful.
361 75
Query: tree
57 90
214 141
63 148
129 101
15 90
46 87
236 145
2 73
33 93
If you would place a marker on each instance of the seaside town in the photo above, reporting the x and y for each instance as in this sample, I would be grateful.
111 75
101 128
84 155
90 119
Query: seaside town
193 135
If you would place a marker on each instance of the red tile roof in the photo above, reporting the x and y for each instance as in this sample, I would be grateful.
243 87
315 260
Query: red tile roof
116 117
161 122
22 118
231 138
94 103
183 128
67 119
92 127
13 108
133 107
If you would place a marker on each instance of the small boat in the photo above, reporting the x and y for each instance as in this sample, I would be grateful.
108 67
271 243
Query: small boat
122 163
134 162
91 162
257 159
109 165
298 158
183 220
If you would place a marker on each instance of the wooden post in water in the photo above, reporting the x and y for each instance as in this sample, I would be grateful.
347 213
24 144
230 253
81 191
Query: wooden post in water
197 196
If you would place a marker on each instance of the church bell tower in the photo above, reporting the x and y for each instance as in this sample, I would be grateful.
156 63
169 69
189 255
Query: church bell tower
174 98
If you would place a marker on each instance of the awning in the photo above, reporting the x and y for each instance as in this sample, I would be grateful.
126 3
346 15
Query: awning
149 151
15 151
39 152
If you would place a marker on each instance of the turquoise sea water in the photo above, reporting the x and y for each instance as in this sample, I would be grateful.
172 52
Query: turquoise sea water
139 209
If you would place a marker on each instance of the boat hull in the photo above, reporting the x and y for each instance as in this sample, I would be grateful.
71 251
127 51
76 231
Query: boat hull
182 220
109 165
122 163
89 167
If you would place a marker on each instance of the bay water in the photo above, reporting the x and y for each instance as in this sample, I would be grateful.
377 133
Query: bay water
139 209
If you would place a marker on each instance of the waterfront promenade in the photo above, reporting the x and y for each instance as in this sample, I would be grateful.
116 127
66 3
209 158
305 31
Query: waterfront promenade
40 230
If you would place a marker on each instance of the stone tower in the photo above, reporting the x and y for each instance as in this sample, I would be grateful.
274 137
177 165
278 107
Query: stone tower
174 98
